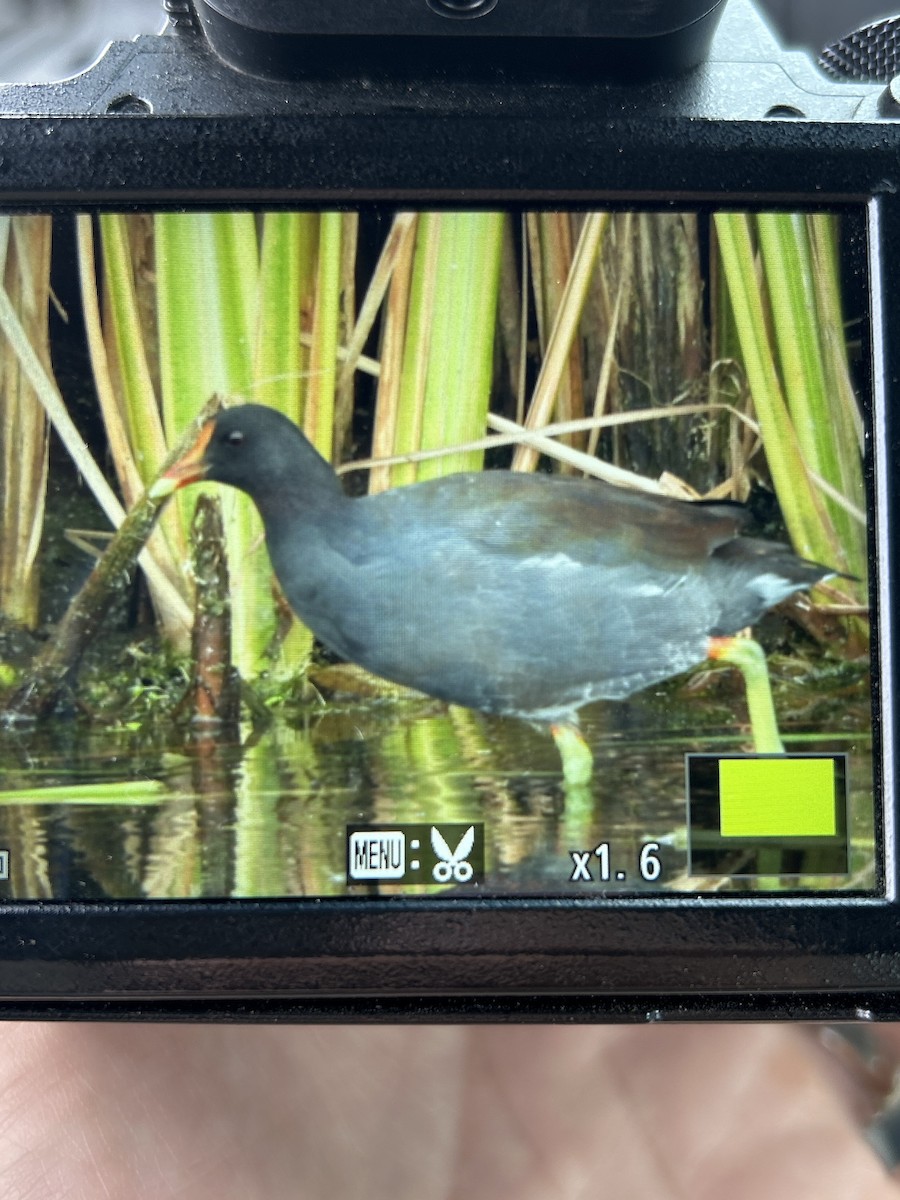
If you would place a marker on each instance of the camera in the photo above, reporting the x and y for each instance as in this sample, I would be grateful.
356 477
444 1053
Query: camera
448 486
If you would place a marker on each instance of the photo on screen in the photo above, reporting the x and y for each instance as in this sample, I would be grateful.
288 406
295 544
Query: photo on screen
436 553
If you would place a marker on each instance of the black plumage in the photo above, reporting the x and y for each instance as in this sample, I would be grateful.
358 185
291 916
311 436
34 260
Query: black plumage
529 595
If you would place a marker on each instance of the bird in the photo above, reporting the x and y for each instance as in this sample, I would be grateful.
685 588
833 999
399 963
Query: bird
524 595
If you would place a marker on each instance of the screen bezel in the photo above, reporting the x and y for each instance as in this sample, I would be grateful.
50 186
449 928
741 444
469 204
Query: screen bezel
670 957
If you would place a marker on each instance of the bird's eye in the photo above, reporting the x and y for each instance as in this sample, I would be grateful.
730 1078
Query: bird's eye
235 437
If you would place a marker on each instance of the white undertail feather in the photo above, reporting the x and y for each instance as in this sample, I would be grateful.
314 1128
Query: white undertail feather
772 588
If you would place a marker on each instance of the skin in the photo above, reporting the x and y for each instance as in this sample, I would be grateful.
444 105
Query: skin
444 1113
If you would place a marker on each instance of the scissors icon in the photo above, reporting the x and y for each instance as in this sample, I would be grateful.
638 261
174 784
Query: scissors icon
453 864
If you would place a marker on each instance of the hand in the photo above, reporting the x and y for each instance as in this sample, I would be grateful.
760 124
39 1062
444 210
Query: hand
135 1112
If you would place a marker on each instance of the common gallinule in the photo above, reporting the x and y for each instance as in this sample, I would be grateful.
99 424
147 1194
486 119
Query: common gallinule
529 595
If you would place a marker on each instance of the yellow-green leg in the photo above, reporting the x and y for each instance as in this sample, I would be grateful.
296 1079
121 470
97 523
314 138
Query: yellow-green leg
577 760
747 655
578 766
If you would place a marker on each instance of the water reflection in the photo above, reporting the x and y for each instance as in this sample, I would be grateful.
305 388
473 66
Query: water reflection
130 819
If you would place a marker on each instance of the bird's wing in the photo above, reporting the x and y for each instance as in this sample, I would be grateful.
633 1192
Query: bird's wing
588 521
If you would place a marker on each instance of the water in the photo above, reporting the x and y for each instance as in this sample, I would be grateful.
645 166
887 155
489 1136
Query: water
134 814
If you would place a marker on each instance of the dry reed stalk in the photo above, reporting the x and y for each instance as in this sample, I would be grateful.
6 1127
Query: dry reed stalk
23 423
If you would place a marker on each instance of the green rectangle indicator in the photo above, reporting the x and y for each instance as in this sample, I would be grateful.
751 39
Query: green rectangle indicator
767 814
777 797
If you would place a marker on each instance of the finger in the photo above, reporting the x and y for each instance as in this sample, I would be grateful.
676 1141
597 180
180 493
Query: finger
152 1112
870 1055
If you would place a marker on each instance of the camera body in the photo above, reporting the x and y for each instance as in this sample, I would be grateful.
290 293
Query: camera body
634 108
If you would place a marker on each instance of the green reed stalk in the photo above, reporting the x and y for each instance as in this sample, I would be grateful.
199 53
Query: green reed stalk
438 334
461 295
823 229
318 419
141 442
801 298
781 275
804 510
287 278
278 353
843 413
207 268
401 401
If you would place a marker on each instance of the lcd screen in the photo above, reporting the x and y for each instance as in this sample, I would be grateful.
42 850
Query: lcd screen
584 611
